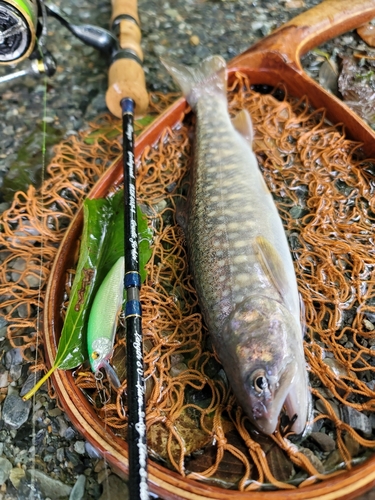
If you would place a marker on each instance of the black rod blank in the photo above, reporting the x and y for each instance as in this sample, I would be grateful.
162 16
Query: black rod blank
137 443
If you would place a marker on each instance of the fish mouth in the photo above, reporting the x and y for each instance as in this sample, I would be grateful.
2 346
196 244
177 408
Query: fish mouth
281 395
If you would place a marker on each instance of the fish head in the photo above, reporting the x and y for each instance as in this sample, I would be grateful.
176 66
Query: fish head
100 351
264 360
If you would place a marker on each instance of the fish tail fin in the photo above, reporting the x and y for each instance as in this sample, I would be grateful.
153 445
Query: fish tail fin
207 77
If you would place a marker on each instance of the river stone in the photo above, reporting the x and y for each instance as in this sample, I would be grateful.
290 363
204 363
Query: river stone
15 411
79 488
352 444
51 488
16 475
356 419
79 447
324 441
333 460
5 468
91 451
13 357
315 461
4 382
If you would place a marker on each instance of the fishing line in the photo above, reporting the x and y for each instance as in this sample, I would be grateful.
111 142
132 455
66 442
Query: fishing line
41 286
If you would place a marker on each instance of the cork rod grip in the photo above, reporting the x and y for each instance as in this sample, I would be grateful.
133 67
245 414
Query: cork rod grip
126 76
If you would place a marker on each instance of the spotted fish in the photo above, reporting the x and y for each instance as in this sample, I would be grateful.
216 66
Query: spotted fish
240 259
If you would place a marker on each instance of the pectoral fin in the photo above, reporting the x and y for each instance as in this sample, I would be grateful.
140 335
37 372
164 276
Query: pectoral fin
273 266
243 124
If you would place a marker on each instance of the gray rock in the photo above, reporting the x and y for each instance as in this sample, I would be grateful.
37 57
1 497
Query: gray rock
50 487
91 451
324 441
13 357
79 488
4 381
15 411
16 475
62 425
60 454
79 447
315 461
70 433
356 419
5 468
15 372
352 444
333 460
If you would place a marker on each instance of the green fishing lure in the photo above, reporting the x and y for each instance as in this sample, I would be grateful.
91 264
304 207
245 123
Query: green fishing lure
104 312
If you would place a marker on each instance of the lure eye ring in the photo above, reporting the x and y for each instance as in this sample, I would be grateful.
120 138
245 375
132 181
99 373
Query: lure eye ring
258 381
95 355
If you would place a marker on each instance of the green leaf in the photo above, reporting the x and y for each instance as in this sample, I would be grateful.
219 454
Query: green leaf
97 217
101 246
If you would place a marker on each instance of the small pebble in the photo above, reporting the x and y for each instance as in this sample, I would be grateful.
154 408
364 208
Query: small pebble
315 461
16 475
5 468
4 379
333 460
324 441
13 357
79 447
194 40
91 451
356 419
368 325
352 444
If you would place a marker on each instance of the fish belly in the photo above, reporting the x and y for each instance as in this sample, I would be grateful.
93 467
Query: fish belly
230 206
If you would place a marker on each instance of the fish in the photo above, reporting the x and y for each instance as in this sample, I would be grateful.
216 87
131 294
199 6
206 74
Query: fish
102 323
240 259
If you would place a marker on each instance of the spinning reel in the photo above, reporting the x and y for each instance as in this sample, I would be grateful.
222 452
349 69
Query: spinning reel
23 34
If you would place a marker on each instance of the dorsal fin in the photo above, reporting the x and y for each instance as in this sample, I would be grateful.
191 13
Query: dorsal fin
243 124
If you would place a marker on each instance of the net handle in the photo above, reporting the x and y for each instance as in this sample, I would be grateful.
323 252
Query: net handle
311 28
126 76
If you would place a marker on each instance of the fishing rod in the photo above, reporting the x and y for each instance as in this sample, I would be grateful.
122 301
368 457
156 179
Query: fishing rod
23 35
125 97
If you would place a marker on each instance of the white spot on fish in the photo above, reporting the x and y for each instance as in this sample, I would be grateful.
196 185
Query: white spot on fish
233 226
239 259
242 279
240 243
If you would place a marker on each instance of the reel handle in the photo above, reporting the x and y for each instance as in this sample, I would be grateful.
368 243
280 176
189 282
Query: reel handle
126 76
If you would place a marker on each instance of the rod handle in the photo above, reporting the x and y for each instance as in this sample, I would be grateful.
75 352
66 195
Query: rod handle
126 76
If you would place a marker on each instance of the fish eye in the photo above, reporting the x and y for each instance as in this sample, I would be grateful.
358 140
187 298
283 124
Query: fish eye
95 355
258 381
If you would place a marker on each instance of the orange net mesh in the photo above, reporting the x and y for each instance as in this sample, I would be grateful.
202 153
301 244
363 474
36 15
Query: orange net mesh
324 192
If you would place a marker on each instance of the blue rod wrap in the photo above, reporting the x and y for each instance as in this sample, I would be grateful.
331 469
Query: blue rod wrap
132 279
133 308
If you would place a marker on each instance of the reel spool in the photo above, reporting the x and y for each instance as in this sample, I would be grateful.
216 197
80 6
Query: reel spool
18 29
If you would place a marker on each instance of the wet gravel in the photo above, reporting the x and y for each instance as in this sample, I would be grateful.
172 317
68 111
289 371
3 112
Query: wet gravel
41 454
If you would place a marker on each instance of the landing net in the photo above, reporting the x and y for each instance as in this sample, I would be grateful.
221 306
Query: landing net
324 190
